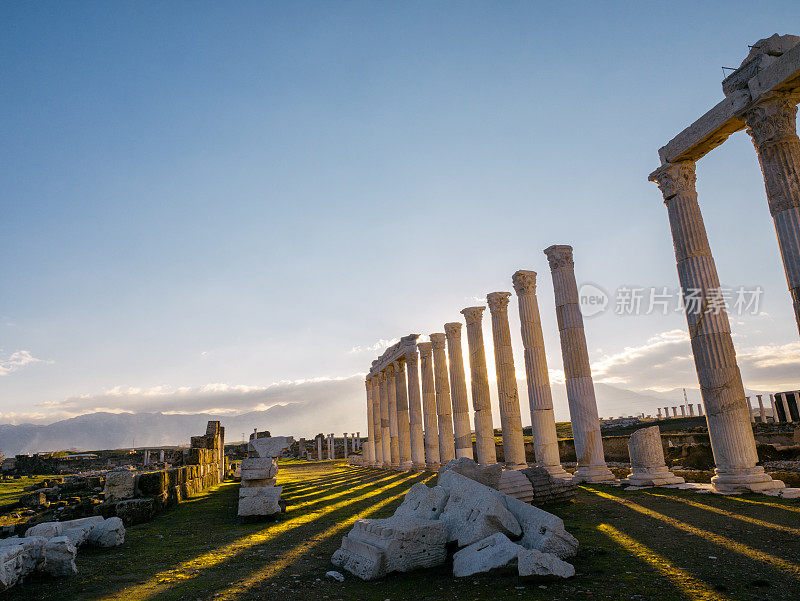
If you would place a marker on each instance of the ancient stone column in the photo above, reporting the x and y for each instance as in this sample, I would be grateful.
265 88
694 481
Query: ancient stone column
666 412
772 125
319 447
415 411
444 409
543 423
647 460
403 426
787 414
386 450
762 414
377 446
699 409
580 388
479 381
750 410
369 452
683 410
458 391
330 447
721 386
357 442
659 413
345 445
691 410
674 412
429 415
774 410
510 418
394 441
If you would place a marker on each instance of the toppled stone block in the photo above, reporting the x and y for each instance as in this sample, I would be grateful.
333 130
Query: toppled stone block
488 476
374 548
492 553
423 503
474 511
541 530
135 511
515 484
46 530
120 484
59 557
548 489
269 447
18 558
259 501
259 468
77 531
109 533
532 563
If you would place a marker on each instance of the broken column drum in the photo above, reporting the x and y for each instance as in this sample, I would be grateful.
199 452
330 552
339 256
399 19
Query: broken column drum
458 391
647 460
510 418
577 372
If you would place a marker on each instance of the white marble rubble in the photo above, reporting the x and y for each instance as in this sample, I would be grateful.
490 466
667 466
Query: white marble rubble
59 557
258 495
108 533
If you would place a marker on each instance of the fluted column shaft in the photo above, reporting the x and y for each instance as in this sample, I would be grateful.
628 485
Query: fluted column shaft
458 391
772 125
403 424
540 399
444 408
415 411
369 450
385 438
577 372
727 412
510 418
479 381
394 442
377 460
429 415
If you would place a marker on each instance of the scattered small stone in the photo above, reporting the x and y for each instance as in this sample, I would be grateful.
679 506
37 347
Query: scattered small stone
334 575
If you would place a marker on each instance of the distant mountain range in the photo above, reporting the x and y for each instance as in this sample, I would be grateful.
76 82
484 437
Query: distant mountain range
345 413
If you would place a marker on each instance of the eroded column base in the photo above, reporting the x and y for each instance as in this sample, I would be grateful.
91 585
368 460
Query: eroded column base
406 466
593 473
418 467
515 466
557 471
659 476
752 479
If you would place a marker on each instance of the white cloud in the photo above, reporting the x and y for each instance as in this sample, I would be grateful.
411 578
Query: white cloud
381 345
16 361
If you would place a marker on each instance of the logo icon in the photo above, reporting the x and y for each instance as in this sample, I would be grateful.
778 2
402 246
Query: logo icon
593 300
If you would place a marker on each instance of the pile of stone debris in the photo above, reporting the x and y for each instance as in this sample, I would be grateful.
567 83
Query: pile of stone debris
51 547
492 530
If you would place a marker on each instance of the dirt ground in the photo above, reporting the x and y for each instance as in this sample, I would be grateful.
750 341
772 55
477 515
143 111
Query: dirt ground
638 545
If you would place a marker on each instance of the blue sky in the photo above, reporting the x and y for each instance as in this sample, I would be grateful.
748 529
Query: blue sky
241 194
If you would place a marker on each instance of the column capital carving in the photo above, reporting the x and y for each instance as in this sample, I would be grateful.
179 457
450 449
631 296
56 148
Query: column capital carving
497 301
425 349
473 314
559 255
382 377
411 357
453 330
675 178
399 366
389 370
438 340
524 282
772 119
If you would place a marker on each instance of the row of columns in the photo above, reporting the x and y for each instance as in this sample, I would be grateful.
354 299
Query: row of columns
427 425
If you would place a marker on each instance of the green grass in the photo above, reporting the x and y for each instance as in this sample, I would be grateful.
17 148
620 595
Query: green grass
634 545
11 490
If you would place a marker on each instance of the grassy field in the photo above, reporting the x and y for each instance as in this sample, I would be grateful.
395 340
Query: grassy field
10 493
640 545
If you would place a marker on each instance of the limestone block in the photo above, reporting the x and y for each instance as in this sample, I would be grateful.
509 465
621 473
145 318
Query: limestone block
59 557
259 501
136 511
269 447
422 502
259 483
488 476
18 558
541 530
548 488
374 548
109 533
120 484
492 553
514 484
474 511
267 464
533 563
647 460
46 530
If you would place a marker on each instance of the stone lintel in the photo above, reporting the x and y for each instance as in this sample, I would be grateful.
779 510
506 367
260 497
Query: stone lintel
396 352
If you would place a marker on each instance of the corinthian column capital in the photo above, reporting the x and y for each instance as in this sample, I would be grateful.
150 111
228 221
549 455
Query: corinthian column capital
411 358
559 255
399 366
425 349
498 301
438 340
524 282
772 119
675 178
452 330
473 314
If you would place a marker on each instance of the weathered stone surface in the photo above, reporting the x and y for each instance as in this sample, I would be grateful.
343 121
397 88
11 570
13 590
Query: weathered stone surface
474 511
541 530
18 558
135 511
515 484
46 530
59 557
647 460
374 548
259 483
548 489
120 484
269 447
259 501
77 531
259 468
532 563
488 476
492 553
109 533
423 503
